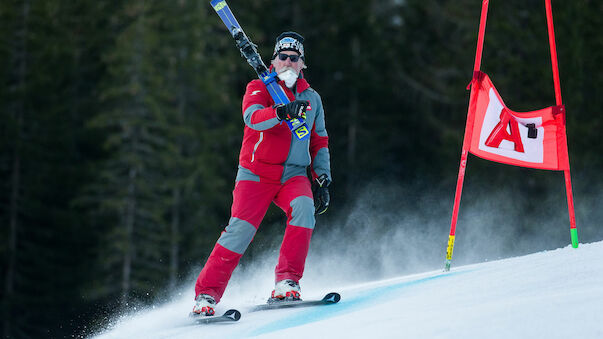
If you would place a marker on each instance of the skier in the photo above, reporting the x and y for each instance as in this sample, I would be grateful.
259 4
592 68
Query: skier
273 168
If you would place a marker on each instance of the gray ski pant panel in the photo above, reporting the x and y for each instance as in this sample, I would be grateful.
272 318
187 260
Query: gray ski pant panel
302 212
237 235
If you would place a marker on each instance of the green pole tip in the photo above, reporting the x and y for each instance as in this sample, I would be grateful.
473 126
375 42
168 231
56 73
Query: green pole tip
574 234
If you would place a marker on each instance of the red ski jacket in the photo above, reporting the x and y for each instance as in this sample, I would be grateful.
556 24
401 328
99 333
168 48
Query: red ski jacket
270 152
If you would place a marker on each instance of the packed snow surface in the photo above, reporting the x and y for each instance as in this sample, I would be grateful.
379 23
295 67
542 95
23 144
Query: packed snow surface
550 294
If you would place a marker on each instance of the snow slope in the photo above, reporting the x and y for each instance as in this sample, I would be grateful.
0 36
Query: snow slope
550 294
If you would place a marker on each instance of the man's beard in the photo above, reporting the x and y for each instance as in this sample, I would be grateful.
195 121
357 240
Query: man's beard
288 75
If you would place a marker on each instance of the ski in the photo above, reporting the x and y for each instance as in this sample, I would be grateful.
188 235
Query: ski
228 316
329 299
249 52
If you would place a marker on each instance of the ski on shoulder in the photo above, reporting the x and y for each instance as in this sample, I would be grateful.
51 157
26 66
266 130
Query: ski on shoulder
249 52
328 299
228 316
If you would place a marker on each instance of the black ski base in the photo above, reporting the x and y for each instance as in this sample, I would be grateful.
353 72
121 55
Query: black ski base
329 299
228 316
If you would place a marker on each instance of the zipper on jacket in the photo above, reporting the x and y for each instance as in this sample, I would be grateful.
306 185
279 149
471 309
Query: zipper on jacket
257 144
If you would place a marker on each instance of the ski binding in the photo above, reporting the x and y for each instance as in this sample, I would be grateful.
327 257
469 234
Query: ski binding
328 299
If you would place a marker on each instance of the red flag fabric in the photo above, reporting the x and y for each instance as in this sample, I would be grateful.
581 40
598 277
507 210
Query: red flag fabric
535 139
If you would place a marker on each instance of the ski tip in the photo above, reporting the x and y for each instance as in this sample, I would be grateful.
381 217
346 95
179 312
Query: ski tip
233 314
332 298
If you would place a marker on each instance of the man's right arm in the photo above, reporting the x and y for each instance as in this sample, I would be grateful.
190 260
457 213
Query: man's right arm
258 113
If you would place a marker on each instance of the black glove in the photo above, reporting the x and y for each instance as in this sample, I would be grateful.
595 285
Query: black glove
292 110
321 194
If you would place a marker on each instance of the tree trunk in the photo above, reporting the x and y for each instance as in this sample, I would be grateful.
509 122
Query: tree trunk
12 239
137 77
353 112
130 218
177 190
174 239
20 59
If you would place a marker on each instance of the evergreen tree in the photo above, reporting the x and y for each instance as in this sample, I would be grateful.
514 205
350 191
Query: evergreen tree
128 191
15 82
43 94
161 182
192 83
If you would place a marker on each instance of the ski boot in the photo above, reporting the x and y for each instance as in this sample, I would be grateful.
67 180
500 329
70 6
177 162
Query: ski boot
204 305
285 290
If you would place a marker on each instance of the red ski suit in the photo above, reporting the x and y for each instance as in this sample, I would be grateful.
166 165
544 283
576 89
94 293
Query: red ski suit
272 168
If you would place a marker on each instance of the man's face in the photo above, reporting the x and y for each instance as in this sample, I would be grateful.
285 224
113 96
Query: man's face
280 65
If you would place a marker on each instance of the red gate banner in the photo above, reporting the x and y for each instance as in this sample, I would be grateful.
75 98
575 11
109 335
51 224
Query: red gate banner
535 139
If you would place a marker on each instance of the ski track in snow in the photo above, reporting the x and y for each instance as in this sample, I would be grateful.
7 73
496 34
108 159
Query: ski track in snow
550 294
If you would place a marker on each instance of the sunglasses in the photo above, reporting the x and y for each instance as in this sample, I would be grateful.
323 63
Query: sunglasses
293 57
